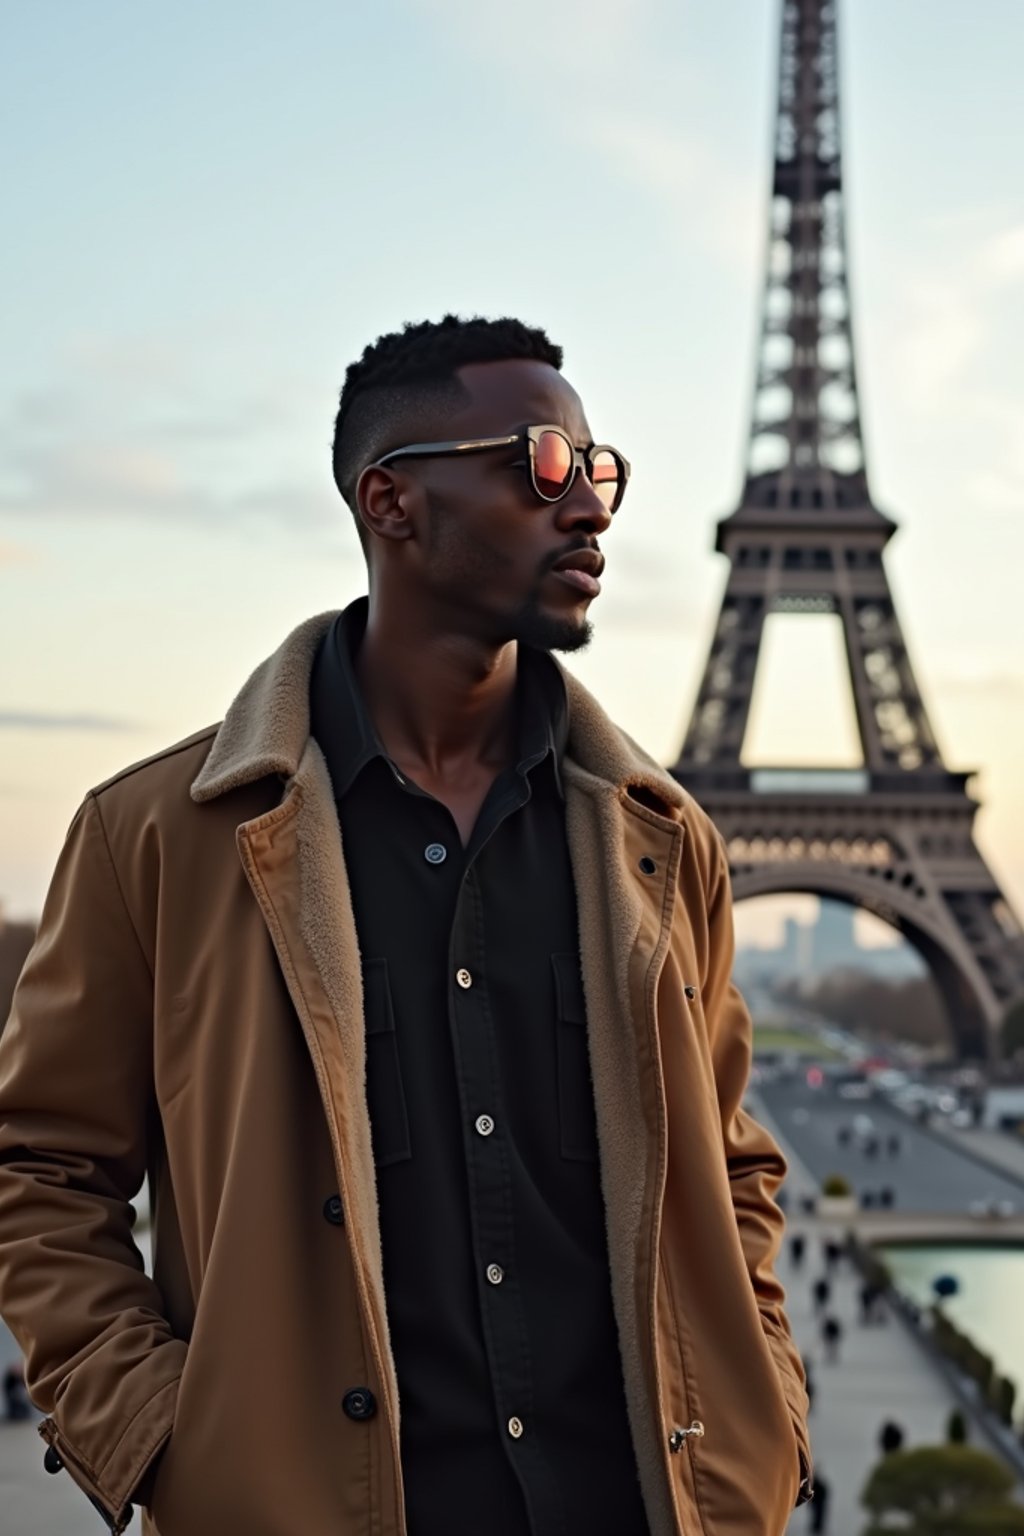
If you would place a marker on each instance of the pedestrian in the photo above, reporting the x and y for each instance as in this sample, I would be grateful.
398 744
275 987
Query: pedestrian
894 1144
890 1437
821 1292
819 1505
833 1253
380 979
831 1337
867 1296
797 1248
16 1403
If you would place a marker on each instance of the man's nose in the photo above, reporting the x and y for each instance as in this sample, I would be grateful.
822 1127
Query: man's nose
582 507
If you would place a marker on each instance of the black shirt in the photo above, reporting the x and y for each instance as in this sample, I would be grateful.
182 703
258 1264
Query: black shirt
481 1108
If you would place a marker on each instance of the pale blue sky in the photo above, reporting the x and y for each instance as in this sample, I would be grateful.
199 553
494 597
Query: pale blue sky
210 208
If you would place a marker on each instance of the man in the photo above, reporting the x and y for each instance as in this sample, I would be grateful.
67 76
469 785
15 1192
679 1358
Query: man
408 986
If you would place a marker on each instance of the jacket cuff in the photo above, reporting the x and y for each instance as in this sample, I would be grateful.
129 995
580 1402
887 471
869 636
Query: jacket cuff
110 1489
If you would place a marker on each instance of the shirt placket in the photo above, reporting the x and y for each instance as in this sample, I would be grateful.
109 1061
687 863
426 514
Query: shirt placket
489 1177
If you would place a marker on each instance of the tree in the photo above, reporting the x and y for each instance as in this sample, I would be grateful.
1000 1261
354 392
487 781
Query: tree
942 1490
1012 1032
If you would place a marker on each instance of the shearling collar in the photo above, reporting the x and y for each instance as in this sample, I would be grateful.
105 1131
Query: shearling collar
266 730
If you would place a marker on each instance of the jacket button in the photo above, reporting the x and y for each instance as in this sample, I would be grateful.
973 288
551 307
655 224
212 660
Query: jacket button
690 993
360 1403
333 1211
647 865
52 1461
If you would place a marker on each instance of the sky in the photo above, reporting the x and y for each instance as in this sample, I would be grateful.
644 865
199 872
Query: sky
211 209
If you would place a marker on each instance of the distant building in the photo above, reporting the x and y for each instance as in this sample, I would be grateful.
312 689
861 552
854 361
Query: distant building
809 951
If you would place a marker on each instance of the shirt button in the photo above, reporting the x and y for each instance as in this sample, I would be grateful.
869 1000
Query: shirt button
333 1211
484 1124
464 979
435 853
495 1274
515 1428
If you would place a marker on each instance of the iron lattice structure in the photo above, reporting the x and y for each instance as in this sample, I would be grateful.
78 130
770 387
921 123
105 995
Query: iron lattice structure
895 836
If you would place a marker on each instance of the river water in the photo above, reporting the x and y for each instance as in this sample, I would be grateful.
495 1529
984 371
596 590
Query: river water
990 1305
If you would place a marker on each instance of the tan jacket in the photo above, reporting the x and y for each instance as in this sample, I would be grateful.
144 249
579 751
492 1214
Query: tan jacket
192 1009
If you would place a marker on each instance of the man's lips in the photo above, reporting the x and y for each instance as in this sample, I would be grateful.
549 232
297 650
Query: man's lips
580 568
581 580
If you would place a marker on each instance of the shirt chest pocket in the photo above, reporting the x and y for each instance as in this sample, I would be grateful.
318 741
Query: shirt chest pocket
389 1120
577 1124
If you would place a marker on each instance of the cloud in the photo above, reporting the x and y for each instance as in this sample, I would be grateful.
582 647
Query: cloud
41 720
129 431
601 65
942 332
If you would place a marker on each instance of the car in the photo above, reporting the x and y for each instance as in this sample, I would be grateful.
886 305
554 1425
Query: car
857 1088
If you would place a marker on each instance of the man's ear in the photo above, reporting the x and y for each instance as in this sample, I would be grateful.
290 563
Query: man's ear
386 498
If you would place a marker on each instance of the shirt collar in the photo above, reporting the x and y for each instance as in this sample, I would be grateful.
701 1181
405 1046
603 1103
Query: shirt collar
340 722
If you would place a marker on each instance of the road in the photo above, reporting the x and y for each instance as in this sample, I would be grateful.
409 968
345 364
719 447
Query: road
929 1175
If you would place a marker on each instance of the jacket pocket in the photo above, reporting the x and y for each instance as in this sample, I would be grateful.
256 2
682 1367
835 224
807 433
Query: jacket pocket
389 1121
577 1124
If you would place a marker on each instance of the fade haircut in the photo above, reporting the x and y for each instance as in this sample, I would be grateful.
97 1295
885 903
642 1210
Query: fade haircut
408 379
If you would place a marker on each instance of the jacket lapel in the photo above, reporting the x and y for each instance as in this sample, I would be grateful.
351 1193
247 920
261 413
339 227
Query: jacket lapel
624 918
293 861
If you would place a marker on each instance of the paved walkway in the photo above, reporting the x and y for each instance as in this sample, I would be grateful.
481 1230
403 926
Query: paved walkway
881 1372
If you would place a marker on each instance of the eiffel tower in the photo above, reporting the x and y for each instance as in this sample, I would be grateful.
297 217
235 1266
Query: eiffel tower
894 836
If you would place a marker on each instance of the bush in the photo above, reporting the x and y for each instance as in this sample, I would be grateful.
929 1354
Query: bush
942 1489
956 1428
835 1185
968 1358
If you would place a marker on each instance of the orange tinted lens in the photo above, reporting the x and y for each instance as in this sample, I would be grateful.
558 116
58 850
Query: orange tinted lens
606 478
552 464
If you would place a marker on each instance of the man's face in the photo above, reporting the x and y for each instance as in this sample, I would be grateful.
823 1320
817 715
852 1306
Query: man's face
486 544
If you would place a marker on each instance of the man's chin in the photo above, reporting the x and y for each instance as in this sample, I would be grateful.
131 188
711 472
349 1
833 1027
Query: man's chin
552 632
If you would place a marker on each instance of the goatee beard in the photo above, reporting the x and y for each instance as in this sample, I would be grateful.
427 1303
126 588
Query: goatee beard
546 632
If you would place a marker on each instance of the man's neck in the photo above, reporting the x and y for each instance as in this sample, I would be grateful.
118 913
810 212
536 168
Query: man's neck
441 703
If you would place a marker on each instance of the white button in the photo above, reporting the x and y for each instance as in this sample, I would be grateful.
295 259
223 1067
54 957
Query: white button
495 1274
484 1124
435 853
463 978
515 1428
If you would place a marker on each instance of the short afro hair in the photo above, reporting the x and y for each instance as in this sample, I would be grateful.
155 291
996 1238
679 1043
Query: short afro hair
409 377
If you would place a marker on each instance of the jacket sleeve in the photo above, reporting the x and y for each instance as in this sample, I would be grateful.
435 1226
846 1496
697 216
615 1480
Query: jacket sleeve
75 1097
756 1166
